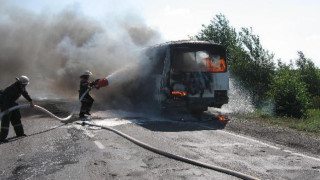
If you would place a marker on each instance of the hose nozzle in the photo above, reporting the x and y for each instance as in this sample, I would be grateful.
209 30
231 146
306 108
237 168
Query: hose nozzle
102 83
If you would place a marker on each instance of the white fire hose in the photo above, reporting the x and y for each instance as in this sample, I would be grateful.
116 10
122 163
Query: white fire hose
141 144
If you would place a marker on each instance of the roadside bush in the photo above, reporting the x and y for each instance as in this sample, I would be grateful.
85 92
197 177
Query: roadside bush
315 102
290 94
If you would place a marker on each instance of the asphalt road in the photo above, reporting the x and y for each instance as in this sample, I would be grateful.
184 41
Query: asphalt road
53 150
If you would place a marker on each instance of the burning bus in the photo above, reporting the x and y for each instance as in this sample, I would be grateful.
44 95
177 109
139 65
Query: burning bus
191 75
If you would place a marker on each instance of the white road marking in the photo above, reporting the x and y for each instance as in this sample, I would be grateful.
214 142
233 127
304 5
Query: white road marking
265 144
302 155
99 144
250 139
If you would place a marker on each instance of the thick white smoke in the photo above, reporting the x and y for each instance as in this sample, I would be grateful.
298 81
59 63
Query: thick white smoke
53 49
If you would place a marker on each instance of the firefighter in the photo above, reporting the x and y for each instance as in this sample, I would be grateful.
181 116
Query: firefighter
87 101
9 97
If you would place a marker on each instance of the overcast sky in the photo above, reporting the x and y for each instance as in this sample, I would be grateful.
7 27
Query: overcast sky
284 26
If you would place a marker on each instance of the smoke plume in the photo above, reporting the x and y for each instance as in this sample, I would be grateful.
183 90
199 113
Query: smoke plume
53 49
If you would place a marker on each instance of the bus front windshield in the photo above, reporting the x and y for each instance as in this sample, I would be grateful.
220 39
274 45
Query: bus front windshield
186 60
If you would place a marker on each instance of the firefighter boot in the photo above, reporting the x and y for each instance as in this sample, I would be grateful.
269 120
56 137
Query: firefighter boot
81 115
21 135
3 141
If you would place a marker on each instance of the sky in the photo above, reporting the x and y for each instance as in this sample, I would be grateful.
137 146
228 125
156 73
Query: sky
284 26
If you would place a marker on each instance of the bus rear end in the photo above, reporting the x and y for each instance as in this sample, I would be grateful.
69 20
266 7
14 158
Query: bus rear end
197 77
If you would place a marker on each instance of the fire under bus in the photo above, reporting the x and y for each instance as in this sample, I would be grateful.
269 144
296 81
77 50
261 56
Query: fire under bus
190 75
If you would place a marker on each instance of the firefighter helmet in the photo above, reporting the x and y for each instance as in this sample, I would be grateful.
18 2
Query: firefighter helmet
23 80
86 73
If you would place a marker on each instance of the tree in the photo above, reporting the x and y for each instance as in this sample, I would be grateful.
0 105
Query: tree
248 61
289 92
308 74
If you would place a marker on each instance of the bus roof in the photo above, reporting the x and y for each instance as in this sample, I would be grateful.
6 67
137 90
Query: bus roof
184 42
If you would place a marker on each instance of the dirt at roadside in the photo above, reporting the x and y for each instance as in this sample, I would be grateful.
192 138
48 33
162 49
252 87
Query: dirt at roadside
301 141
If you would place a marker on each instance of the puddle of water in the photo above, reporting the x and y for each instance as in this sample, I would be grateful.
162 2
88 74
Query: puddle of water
111 118
112 122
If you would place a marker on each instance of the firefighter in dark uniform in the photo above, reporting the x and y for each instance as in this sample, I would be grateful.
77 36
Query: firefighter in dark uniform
87 101
9 97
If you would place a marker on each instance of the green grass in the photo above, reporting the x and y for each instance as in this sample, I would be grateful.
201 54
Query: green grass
311 124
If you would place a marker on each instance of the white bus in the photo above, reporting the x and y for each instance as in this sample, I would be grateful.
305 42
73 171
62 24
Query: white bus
192 75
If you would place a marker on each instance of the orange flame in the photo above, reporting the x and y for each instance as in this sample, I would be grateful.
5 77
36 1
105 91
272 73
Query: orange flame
181 93
222 118
212 67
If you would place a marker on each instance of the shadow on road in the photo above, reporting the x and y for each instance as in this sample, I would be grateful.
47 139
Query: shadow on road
187 122
149 118
182 126
12 139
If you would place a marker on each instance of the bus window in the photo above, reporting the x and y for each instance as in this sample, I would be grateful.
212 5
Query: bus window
186 60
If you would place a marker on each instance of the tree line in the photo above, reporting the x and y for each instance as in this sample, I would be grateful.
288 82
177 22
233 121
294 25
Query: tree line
294 88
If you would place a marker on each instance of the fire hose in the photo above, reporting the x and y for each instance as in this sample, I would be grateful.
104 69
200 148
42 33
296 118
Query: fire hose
135 141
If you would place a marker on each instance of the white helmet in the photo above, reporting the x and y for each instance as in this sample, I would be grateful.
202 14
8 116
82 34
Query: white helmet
23 80
86 73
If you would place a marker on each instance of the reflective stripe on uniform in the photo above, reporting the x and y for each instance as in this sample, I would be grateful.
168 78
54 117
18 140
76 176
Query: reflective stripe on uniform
17 125
7 128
